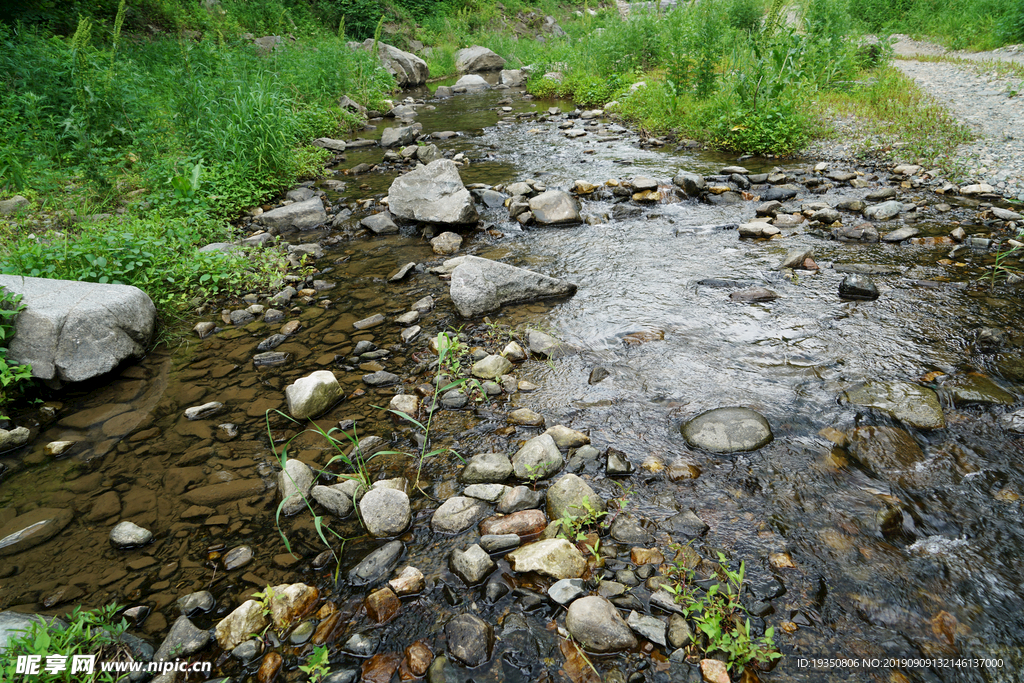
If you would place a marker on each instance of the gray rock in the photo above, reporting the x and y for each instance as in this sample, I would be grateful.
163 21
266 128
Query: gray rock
408 69
311 395
428 153
335 499
35 527
754 294
381 378
361 645
545 345
571 496
596 625
300 194
495 543
330 143
385 511
539 458
471 83
795 258
486 468
481 286
691 183
13 438
626 529
129 535
237 557
376 566
901 234
554 557
183 639
679 632
519 498
432 194
472 565
446 243
248 651
271 342
686 523
294 483
309 249
907 402
858 286
270 359
881 194
74 331
728 430
298 216
1006 214
457 514
470 640
476 59
13 205
400 136
195 603
204 411
491 367
883 211
651 628
862 232
512 78
454 399
490 198
1014 422
565 591
617 463
367 323
489 493
380 224
555 207
827 216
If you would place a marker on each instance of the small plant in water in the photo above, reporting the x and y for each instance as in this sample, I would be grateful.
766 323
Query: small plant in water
317 666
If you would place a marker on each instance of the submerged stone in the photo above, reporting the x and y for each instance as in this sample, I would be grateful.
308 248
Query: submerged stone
728 430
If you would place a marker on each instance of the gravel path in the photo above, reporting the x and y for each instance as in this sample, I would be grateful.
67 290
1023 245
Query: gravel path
981 98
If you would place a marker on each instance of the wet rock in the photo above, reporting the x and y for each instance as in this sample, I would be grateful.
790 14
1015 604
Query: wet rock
486 468
545 345
554 557
298 216
361 645
882 449
795 258
457 514
289 603
204 329
881 194
34 527
476 59
539 458
367 323
237 627
491 367
302 633
570 495
883 211
691 183
381 378
754 294
617 463
910 403
858 286
14 438
269 359
400 136
1014 422
493 543
417 660
471 83
432 194
565 591
446 243
778 194
679 632
196 603
526 417
204 411
337 499
454 399
385 512
183 639
399 274
472 565
409 581
380 224
714 671
757 229
271 342
519 498
555 207
626 528
901 234
405 403
129 535
294 483
523 523
313 394
975 388
665 601
490 493
248 651
377 565
651 628
596 625
567 438
382 606
862 232
686 523
237 558
470 640
270 667
728 430
480 286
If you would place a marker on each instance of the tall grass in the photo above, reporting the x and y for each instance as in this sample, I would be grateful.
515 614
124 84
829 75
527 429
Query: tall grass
960 24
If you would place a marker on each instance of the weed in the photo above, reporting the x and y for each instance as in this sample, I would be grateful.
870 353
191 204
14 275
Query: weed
317 666
11 374
576 528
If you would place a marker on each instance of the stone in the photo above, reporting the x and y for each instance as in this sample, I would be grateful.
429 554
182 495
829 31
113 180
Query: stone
74 331
367 323
651 628
858 286
555 207
883 211
539 458
565 591
298 216
40 525
910 403
409 581
571 496
626 529
405 403
795 258
457 514
196 603
489 493
313 394
728 430
182 640
13 205
566 438
335 499
754 294
476 59
486 468
204 411
976 189
714 671
471 83
901 234
554 557
237 627
294 483
491 367
595 623
685 523
679 632
433 193
237 557
1006 214
377 565
472 565
691 183
976 388
13 438
514 78
480 286
400 136
417 660
382 606
862 232
385 512
129 535
470 640
446 243
518 498
380 224
883 449
496 543
522 523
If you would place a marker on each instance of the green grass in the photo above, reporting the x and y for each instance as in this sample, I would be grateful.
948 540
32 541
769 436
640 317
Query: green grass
959 24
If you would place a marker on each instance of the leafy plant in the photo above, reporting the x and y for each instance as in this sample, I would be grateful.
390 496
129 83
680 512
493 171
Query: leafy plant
11 374
576 528
317 666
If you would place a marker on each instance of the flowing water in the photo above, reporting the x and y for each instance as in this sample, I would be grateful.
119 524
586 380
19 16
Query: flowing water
924 563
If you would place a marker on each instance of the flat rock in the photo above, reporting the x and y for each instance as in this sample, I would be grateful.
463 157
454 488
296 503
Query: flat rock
554 557
901 234
380 224
470 640
457 514
728 430
555 207
883 211
376 566
298 216
651 628
480 286
32 528
486 468
910 403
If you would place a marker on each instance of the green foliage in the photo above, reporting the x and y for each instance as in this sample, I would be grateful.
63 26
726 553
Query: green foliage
960 24
87 632
575 528
317 666
11 374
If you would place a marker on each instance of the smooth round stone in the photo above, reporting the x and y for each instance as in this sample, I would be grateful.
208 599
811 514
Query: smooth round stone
238 557
302 633
728 430
128 535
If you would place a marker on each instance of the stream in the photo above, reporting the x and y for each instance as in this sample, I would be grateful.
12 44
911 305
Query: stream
848 562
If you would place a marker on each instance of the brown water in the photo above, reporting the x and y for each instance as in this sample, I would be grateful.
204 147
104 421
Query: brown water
877 561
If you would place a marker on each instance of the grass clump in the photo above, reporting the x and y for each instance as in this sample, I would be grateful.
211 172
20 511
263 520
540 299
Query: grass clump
959 24
11 374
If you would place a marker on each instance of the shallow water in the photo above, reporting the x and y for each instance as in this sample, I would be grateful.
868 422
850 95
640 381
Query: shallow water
879 557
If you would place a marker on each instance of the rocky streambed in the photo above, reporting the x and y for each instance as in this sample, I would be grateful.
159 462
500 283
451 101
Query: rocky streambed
688 362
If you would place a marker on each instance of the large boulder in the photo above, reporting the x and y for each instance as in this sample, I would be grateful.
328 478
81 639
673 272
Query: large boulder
432 194
471 83
479 286
728 430
477 58
408 69
298 216
74 331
